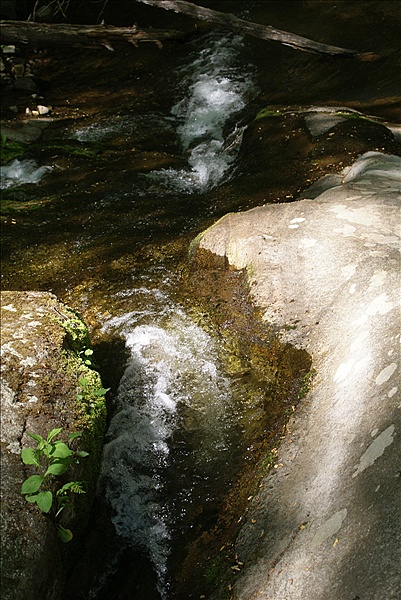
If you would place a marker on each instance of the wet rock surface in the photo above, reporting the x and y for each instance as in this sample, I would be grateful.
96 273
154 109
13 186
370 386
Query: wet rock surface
87 234
286 148
39 383
325 272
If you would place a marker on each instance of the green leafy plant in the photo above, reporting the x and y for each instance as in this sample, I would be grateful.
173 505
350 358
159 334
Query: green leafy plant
88 393
85 355
52 458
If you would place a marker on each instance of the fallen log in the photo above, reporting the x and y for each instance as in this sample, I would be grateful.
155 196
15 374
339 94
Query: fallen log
265 32
44 35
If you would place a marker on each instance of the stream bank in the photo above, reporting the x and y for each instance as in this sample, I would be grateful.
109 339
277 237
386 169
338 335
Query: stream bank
107 229
326 521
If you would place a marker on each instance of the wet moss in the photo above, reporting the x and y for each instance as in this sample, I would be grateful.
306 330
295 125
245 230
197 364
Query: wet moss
268 111
215 574
356 116
68 148
11 207
88 412
10 149
77 339
90 404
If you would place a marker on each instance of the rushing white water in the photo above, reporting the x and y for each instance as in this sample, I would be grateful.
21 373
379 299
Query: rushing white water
215 89
101 132
174 426
171 381
21 171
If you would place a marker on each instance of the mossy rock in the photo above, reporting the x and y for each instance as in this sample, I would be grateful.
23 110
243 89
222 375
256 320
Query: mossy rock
44 359
10 149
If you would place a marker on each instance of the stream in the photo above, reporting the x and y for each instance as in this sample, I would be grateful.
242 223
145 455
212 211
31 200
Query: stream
109 231
175 435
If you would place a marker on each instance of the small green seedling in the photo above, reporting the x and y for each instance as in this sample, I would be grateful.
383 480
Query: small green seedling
51 458
85 355
87 393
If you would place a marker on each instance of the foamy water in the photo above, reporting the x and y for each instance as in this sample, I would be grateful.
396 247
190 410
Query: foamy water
172 371
214 90
21 171
173 433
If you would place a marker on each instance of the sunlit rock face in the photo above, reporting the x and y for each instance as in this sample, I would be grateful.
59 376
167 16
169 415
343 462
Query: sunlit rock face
325 271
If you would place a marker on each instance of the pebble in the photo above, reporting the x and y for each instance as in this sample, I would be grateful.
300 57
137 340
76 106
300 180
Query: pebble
43 110
40 110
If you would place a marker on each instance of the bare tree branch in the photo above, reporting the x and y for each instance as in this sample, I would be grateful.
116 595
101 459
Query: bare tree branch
59 34
265 32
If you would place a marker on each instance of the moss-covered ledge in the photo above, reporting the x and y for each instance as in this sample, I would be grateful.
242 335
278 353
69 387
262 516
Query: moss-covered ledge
43 357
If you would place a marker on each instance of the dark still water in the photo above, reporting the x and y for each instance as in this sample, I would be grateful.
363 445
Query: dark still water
142 152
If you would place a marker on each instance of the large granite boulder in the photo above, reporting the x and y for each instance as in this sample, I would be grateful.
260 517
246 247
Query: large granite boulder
325 271
43 357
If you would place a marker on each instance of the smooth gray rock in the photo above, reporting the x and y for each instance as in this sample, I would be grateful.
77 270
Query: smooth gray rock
326 273
26 131
319 123
321 119
26 84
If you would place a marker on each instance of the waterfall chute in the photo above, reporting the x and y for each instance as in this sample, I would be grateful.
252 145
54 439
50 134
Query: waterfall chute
215 90
172 381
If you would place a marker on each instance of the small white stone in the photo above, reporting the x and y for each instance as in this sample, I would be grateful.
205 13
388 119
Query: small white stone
43 110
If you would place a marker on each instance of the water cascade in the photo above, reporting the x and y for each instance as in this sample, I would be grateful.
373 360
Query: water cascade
214 89
172 395
180 427
21 171
174 439
174 436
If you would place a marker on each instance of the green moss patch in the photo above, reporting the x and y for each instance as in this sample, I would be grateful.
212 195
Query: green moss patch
271 377
10 149
268 111
69 148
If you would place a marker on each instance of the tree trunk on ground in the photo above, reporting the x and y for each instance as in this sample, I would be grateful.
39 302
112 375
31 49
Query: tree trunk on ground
265 32
44 35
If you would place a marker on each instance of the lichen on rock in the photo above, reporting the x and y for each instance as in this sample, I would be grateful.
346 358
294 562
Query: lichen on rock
42 352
